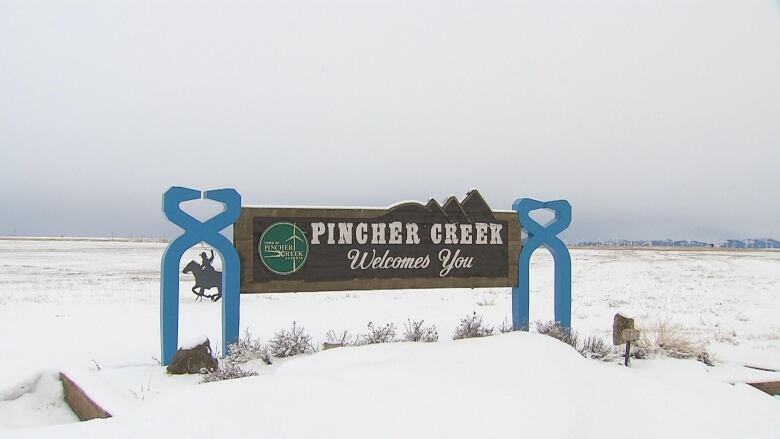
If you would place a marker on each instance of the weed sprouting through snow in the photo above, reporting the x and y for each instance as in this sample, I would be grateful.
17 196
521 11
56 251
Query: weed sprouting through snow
471 327
377 334
505 326
664 338
228 371
592 347
343 338
556 331
415 331
295 341
596 348
248 348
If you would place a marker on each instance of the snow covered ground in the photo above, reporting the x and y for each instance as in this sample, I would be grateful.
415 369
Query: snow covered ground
94 305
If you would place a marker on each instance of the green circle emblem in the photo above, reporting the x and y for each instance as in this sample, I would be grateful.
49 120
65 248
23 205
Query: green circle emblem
283 248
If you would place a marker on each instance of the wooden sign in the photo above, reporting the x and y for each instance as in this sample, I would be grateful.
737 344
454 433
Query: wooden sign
410 245
623 330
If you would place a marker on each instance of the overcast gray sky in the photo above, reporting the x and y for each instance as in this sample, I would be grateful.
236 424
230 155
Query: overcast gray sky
654 118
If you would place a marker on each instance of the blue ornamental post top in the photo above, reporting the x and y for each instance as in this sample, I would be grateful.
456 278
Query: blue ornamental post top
196 232
543 236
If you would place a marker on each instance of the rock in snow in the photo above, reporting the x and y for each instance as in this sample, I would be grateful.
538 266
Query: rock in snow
193 360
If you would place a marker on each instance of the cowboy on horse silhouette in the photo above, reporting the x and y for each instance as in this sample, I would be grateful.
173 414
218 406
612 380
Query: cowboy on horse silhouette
206 277
206 264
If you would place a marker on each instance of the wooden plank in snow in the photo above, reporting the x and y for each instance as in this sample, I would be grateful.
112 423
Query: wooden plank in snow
82 405
770 387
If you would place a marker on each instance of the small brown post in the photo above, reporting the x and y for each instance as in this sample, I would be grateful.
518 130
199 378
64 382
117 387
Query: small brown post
629 335
628 351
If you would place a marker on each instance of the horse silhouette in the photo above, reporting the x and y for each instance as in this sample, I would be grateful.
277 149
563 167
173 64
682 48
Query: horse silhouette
205 280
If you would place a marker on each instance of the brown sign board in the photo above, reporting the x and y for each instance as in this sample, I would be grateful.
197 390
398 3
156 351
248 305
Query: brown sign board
409 245
623 330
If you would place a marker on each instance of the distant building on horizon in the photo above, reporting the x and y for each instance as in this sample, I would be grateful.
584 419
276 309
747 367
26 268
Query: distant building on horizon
766 243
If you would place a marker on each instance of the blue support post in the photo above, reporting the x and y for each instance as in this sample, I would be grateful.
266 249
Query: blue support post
543 236
194 233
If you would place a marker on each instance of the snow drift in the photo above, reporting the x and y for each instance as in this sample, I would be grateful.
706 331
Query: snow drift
516 384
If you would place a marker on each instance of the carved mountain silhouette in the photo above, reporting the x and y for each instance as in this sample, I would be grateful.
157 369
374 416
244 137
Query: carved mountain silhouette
435 209
473 209
454 212
476 208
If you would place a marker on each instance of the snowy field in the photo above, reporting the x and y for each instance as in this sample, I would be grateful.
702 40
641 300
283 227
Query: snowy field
94 306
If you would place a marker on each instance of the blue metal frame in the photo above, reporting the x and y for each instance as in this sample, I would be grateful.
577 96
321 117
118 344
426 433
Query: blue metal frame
196 232
543 236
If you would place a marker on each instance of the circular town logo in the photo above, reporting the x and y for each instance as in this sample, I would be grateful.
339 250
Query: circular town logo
283 248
